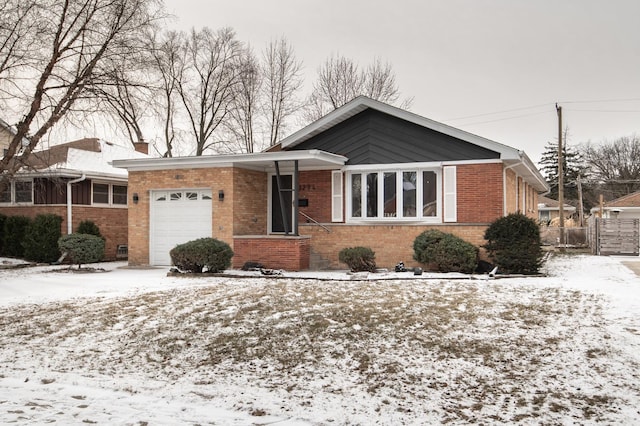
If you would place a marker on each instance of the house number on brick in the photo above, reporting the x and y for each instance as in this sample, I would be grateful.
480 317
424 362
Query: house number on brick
307 187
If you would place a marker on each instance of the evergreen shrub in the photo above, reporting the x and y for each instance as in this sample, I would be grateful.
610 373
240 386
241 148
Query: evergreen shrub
15 228
202 255
358 259
89 227
82 248
41 238
513 243
444 252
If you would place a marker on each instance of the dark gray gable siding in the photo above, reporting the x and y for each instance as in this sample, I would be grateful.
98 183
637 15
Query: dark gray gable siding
373 137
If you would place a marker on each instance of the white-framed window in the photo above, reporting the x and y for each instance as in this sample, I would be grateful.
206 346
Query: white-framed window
394 195
17 192
108 194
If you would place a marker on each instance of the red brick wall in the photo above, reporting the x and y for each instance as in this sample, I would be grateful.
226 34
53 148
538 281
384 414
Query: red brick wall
315 186
480 192
391 243
275 252
111 221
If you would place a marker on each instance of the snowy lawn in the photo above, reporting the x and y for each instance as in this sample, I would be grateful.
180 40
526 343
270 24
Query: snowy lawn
132 346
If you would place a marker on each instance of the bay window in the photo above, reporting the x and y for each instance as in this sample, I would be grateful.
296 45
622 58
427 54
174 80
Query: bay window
393 195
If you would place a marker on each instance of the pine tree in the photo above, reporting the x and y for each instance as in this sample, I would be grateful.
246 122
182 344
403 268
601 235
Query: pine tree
572 165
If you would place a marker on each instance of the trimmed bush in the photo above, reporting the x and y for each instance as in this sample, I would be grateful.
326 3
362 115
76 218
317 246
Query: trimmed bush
513 243
15 228
89 227
41 238
3 218
443 252
82 248
203 254
358 259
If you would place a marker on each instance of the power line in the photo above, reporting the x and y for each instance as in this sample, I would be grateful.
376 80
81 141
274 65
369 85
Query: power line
499 112
600 101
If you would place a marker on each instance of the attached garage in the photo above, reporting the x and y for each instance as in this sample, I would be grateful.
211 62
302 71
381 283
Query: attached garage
177 216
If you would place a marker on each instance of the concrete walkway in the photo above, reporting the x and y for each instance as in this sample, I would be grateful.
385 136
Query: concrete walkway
634 264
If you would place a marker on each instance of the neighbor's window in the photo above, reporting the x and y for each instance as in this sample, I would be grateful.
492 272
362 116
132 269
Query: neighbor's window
119 195
24 191
393 194
101 193
105 193
5 194
17 192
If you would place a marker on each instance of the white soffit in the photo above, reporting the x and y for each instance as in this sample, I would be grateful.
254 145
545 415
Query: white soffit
308 159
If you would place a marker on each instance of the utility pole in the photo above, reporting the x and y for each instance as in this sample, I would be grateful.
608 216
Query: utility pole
560 180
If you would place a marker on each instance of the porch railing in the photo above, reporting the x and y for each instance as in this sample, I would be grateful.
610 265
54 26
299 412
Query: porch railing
315 221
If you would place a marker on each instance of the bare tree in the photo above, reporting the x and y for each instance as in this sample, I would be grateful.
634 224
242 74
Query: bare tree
615 166
241 121
206 82
283 80
126 93
18 29
70 49
166 60
340 80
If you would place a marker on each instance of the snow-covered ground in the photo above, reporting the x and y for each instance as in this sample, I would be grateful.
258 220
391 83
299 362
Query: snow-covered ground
135 346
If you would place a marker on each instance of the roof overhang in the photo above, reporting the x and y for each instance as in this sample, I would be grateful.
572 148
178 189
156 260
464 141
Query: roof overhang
72 173
264 161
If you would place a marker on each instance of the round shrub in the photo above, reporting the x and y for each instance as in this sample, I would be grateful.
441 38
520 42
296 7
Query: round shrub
15 228
89 227
444 252
82 248
359 259
203 254
513 243
41 238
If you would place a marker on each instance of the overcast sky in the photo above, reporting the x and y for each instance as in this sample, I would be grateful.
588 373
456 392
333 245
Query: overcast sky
495 68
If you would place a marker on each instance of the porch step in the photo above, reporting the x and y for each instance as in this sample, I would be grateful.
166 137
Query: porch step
317 262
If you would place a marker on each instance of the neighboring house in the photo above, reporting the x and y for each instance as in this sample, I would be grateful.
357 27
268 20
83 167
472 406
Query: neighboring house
549 209
367 174
76 181
626 207
7 133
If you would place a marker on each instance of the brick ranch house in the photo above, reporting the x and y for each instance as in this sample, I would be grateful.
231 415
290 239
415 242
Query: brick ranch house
75 181
367 174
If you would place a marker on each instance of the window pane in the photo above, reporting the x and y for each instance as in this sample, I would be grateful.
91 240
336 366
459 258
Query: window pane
119 194
206 195
409 194
429 194
5 195
24 194
356 195
192 196
175 196
390 209
101 193
372 194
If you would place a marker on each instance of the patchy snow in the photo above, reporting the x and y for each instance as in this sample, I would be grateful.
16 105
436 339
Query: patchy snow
135 346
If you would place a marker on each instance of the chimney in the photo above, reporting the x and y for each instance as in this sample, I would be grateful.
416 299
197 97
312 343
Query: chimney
142 147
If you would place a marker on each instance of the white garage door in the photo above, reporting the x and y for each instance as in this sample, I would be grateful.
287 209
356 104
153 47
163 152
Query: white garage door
177 216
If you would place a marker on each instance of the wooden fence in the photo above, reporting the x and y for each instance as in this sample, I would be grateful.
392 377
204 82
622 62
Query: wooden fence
614 236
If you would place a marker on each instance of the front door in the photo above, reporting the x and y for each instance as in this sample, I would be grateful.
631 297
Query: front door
277 221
